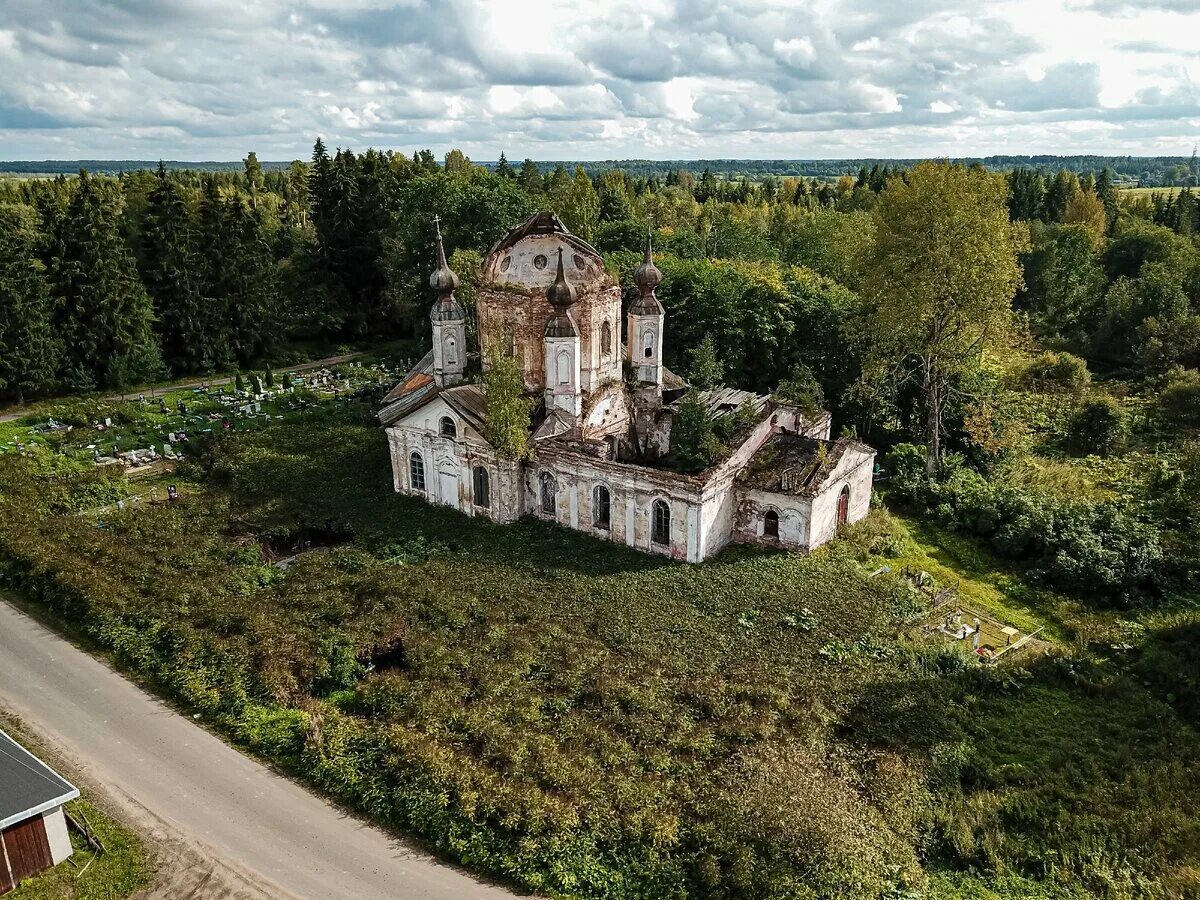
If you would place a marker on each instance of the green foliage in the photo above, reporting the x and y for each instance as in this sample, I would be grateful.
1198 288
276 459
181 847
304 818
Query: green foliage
1099 426
29 352
694 442
802 390
1180 399
1094 548
941 278
1057 372
705 370
508 407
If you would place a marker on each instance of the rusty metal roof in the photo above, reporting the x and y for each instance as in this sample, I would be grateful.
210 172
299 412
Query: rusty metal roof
541 223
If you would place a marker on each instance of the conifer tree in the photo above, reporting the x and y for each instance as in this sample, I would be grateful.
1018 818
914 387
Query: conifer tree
530 178
103 311
169 269
28 351
254 177
503 169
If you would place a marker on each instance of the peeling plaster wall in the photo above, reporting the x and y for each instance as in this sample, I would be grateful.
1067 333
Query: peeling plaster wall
632 491
449 465
856 469
519 264
795 514
518 320
606 411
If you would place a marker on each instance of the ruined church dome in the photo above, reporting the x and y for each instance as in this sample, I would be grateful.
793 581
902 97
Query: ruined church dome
525 257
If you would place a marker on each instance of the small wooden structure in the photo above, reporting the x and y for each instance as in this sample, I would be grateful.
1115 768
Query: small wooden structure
33 830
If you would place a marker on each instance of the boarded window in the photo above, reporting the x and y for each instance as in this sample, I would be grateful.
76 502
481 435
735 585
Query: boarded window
482 487
771 524
416 472
448 428
549 489
843 512
601 507
660 531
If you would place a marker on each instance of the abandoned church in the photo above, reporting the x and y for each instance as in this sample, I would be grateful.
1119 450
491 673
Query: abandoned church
600 431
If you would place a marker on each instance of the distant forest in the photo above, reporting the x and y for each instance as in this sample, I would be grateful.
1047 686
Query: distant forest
1146 171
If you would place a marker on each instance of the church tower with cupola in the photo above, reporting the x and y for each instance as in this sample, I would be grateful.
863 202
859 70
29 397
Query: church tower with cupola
449 322
645 326
563 391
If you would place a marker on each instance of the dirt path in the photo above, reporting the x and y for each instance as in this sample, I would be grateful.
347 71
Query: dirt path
226 825
188 385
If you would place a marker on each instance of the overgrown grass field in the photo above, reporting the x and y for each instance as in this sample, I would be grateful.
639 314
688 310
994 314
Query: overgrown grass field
587 721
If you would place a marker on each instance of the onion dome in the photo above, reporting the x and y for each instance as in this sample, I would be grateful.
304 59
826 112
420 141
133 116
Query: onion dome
561 295
444 282
647 277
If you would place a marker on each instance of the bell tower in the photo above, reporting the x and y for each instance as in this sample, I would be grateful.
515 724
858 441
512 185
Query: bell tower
563 391
644 338
449 322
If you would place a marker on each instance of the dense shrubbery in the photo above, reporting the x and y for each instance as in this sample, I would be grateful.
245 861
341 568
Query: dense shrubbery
1095 549
589 721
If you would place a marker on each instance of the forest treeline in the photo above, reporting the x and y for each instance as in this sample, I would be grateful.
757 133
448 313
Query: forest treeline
114 281
1148 171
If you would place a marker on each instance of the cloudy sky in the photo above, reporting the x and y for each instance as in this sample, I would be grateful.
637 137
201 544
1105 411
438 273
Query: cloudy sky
598 79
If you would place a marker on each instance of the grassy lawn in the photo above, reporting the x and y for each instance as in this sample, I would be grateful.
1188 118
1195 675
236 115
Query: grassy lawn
118 872
585 720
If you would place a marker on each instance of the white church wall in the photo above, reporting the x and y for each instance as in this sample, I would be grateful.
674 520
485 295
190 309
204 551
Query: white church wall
856 470
633 492
794 518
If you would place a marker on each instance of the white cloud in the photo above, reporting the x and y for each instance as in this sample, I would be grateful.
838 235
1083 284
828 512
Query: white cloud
665 78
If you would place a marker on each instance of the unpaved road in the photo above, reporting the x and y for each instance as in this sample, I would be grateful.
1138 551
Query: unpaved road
225 825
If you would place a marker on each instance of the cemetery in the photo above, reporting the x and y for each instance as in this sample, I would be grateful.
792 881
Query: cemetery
147 435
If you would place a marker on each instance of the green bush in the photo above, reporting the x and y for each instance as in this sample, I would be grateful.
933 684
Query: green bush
1096 550
1099 427
1179 402
1053 372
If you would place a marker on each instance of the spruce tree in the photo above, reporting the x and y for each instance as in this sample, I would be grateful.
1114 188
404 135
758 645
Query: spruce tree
169 268
530 178
103 311
28 351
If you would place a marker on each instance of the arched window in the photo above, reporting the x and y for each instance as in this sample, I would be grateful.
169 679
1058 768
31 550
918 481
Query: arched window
448 428
660 530
843 512
605 339
601 506
451 351
416 472
564 367
648 342
771 524
479 478
549 489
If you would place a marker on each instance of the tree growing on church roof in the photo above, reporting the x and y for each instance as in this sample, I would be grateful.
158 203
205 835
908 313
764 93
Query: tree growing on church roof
508 407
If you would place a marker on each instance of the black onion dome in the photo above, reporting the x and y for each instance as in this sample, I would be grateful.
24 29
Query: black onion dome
443 280
647 276
561 292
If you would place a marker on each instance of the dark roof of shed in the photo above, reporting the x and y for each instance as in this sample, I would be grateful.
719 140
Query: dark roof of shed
27 785
541 223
